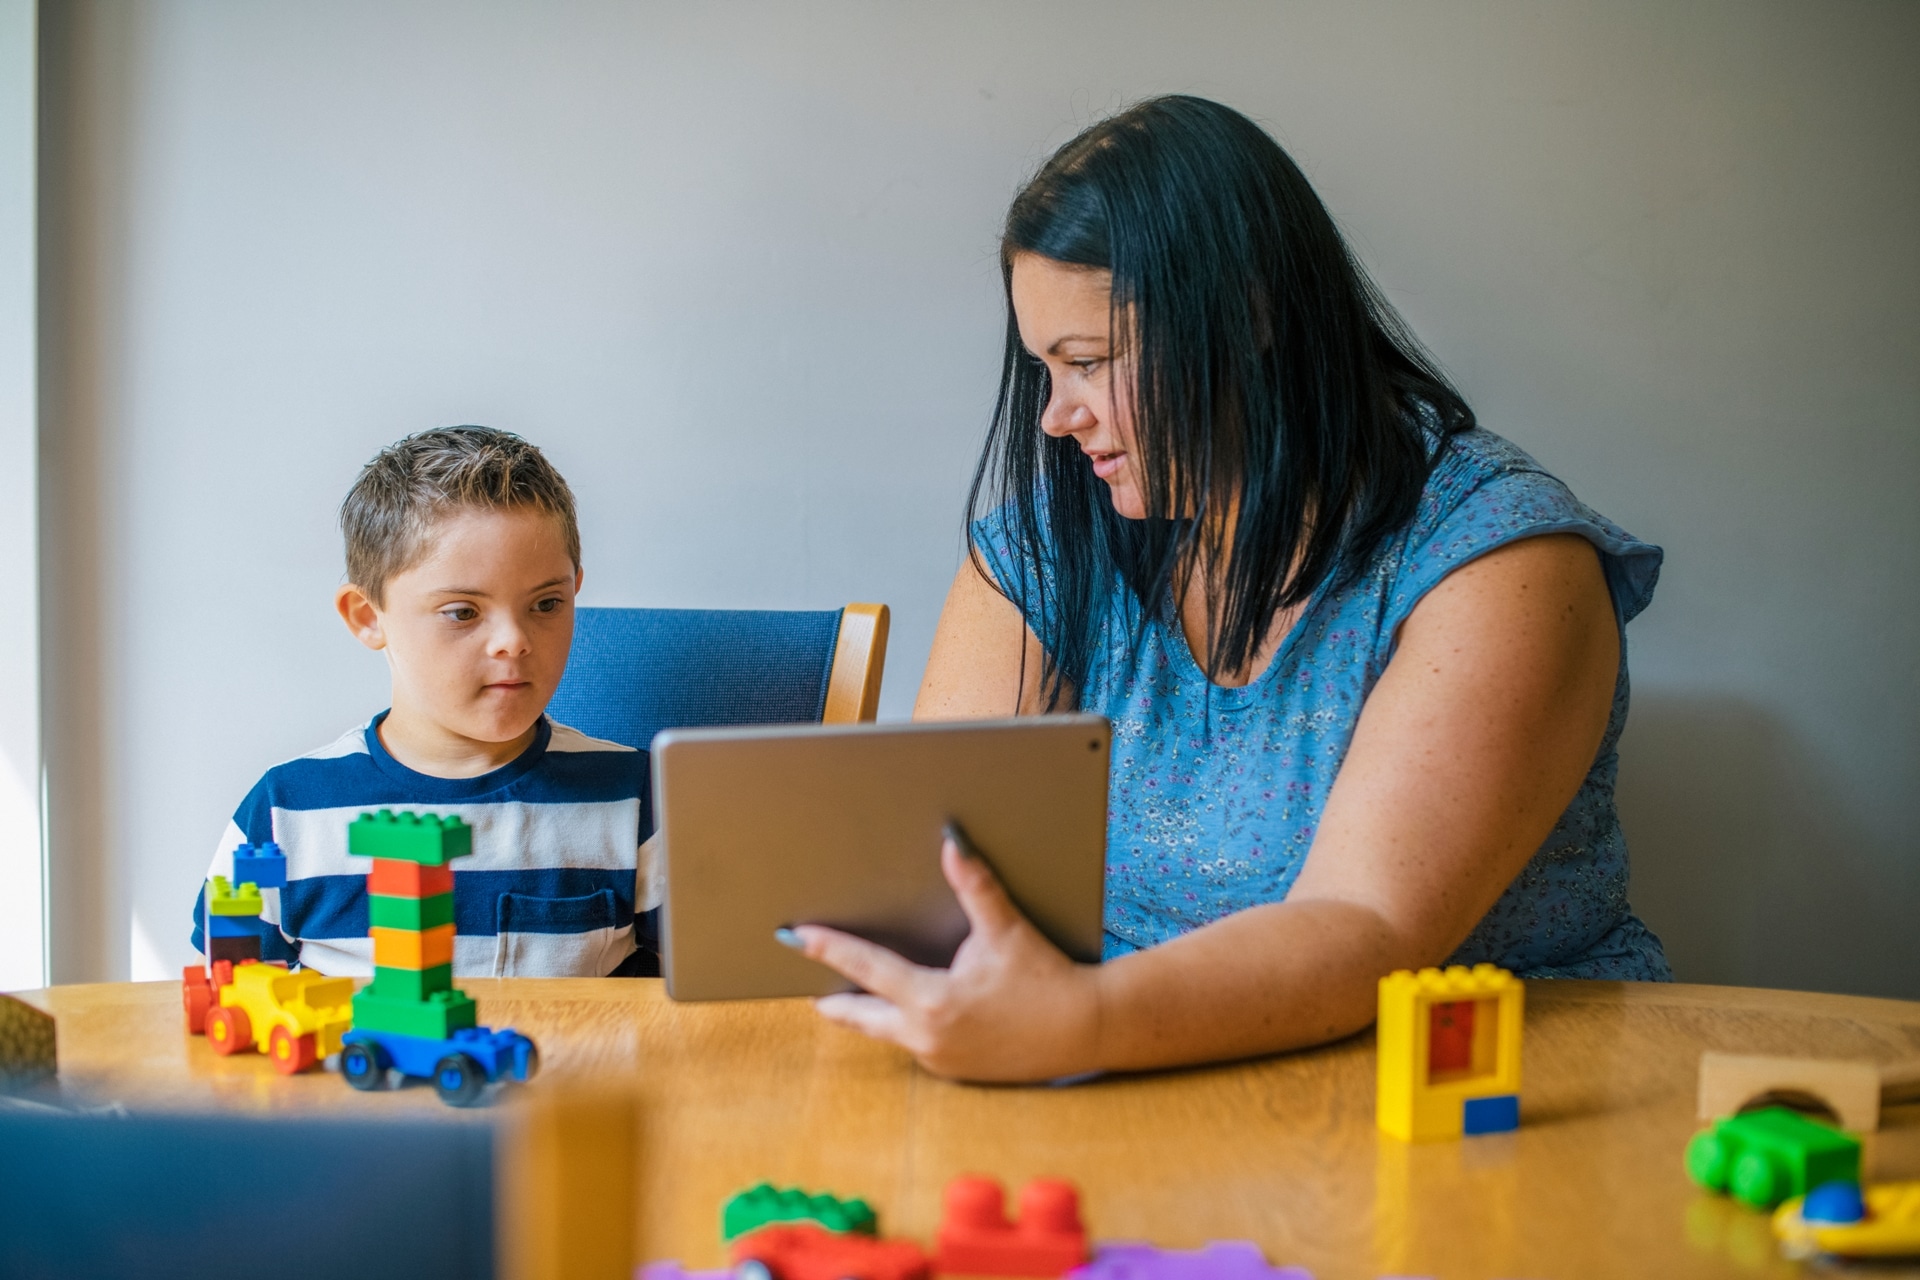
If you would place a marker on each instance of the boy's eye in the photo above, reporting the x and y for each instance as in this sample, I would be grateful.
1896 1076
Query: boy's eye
548 605
460 613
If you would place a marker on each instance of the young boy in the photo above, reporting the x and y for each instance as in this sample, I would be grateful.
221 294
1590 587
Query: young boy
463 558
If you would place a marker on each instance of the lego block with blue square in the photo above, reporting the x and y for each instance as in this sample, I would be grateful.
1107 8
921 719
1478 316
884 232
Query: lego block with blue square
1449 1052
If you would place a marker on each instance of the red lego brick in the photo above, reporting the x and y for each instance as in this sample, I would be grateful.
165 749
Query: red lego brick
976 1238
196 997
394 878
1450 1038
808 1251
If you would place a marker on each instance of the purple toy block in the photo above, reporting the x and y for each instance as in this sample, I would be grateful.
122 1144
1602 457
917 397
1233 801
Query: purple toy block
1220 1260
674 1271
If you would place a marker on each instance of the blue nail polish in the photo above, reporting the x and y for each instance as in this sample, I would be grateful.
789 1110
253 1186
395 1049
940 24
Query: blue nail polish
788 938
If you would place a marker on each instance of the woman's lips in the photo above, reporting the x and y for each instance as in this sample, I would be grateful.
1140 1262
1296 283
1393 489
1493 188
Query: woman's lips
1106 464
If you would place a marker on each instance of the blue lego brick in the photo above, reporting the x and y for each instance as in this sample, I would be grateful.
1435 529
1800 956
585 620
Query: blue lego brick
262 865
1498 1114
233 926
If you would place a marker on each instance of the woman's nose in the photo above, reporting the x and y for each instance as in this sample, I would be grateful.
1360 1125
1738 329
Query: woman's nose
1064 415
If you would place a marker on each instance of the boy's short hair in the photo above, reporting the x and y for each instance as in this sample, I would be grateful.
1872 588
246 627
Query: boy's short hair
389 513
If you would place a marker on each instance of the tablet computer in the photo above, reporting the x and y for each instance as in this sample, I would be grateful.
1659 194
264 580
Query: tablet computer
767 826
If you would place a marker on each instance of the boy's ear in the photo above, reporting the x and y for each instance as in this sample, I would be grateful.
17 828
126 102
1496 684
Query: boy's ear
360 615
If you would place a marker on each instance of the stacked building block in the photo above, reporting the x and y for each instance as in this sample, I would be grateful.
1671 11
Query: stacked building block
233 921
1449 1052
410 913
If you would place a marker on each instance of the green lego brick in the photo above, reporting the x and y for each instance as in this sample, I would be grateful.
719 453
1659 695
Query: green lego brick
1770 1155
428 839
411 984
409 913
759 1206
436 1017
224 899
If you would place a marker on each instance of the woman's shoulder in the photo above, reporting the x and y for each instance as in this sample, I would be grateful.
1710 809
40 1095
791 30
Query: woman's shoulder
1484 492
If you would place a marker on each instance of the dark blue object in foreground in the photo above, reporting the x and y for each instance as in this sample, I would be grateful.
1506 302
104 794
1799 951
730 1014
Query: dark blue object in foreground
213 1196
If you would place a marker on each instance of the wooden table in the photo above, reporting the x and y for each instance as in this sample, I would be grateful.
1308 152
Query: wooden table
1281 1151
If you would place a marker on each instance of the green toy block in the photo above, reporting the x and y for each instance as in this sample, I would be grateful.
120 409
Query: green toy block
436 1017
760 1206
410 913
224 899
1770 1155
427 839
412 984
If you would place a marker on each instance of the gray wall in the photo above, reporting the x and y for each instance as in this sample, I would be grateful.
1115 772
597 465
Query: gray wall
733 265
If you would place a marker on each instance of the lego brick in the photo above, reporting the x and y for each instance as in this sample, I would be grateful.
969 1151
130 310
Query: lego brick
808 1251
409 913
976 1237
1445 1037
434 1018
412 948
1770 1155
766 1204
263 865
413 984
1220 1260
1881 1220
1497 1114
27 1044
234 950
233 927
425 838
394 879
225 898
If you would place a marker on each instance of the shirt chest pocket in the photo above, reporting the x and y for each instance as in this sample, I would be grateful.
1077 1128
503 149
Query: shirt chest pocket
582 937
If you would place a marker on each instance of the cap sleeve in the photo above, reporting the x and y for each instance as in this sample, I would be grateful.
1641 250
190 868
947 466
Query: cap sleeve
1486 493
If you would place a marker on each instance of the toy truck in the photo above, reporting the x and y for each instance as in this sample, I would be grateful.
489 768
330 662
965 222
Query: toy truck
1766 1156
296 1019
461 1066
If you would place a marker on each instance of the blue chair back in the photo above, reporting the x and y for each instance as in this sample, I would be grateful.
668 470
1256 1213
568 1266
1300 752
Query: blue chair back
634 672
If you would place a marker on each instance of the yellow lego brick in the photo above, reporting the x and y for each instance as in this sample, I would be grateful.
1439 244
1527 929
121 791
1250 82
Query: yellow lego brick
224 899
1445 1036
412 948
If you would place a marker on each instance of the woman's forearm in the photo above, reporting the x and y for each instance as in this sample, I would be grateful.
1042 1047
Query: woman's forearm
1276 977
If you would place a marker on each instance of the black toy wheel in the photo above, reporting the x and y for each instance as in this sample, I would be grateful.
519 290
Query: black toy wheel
362 1066
459 1080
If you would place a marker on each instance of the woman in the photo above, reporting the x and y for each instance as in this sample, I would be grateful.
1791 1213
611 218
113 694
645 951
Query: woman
1364 661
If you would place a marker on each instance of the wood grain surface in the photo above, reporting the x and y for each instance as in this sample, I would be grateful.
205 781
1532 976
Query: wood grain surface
1282 1151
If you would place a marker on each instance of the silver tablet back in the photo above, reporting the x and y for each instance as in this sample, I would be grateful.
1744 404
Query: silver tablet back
841 825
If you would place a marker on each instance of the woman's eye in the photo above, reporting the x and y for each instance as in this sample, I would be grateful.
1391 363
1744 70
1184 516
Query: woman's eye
1087 365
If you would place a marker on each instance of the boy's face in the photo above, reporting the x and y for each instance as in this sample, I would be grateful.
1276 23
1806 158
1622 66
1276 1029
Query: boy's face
477 631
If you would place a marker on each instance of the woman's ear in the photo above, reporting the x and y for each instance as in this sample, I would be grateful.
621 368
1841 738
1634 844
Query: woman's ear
361 615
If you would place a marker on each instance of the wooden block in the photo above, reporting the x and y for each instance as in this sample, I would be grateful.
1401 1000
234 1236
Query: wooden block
1730 1082
26 1044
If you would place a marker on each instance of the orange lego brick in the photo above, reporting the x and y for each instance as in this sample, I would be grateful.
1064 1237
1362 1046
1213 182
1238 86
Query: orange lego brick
393 878
406 949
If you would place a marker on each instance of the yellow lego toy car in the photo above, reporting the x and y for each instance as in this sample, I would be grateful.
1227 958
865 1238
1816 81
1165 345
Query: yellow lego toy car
295 1018
1846 1220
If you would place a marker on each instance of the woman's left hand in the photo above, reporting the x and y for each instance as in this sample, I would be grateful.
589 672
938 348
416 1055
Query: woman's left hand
1011 1007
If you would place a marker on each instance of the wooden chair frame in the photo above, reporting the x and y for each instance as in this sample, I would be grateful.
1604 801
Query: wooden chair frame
859 660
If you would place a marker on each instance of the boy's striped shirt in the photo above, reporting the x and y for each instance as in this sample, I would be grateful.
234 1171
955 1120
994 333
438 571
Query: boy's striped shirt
549 891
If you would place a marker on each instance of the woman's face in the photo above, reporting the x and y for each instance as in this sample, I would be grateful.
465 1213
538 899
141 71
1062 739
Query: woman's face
1063 314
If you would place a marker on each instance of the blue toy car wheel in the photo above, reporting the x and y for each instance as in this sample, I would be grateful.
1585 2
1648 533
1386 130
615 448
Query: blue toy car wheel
363 1065
459 1080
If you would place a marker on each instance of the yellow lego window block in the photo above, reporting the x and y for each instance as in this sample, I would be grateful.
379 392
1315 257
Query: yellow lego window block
1449 1046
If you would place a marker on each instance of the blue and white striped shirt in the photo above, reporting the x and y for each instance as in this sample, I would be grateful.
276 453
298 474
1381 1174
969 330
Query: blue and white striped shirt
552 887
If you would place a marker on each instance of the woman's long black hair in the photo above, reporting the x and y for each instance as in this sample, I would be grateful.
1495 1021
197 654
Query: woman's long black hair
1272 383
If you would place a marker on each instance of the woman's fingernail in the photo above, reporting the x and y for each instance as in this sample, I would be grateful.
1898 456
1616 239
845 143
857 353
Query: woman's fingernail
959 839
788 938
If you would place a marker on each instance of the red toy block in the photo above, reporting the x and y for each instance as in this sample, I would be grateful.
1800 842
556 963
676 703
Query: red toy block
393 878
808 1251
976 1238
196 997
